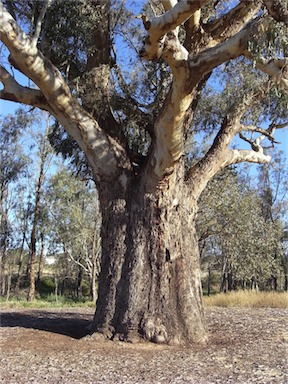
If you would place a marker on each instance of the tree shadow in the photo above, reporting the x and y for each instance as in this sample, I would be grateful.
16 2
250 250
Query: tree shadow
74 325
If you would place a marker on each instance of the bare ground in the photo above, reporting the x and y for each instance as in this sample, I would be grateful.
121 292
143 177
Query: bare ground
49 346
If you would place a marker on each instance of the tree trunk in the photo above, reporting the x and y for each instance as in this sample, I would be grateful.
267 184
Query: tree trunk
33 256
93 288
209 281
56 289
40 264
95 264
20 262
4 244
223 283
79 281
9 278
230 281
149 284
3 270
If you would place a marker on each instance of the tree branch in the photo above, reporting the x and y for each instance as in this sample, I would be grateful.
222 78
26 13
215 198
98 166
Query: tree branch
275 68
236 156
103 152
13 91
277 10
159 26
219 155
168 146
230 49
232 22
39 20
265 133
168 4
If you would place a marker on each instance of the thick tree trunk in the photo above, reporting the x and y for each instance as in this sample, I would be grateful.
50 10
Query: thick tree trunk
149 285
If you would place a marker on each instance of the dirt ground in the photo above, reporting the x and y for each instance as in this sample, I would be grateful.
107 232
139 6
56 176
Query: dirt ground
49 346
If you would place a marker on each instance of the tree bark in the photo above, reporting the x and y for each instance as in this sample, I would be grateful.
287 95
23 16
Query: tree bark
79 281
33 256
149 284
20 262
209 279
40 264
95 264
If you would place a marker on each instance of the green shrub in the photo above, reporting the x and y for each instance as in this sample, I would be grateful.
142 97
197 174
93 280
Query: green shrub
47 286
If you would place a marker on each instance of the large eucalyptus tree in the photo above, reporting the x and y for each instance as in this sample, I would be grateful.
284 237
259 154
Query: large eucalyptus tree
135 137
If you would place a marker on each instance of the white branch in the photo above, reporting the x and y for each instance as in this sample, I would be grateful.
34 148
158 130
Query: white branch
168 4
13 91
279 126
232 22
265 133
230 49
239 156
102 151
77 262
38 25
275 68
170 20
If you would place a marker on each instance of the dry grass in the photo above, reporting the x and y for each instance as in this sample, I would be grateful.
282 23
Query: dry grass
251 299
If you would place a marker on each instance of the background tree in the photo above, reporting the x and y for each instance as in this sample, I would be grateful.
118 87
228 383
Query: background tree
273 184
12 165
76 221
149 284
44 154
236 240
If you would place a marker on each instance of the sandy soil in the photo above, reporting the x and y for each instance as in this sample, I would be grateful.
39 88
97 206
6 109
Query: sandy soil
49 346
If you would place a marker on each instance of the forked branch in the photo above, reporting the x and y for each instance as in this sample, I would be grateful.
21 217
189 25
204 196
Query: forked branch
277 69
103 152
268 133
219 155
160 26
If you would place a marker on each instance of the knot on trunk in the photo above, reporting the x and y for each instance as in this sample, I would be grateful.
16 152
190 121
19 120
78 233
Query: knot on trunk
154 330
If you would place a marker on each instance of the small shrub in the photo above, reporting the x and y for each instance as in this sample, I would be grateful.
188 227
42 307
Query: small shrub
47 285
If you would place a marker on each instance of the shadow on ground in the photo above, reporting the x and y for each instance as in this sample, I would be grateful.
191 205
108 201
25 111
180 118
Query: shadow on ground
68 324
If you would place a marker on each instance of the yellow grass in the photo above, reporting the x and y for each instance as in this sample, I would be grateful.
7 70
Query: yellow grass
251 299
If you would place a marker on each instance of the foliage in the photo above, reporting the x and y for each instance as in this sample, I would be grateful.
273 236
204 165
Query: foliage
75 219
12 158
235 236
